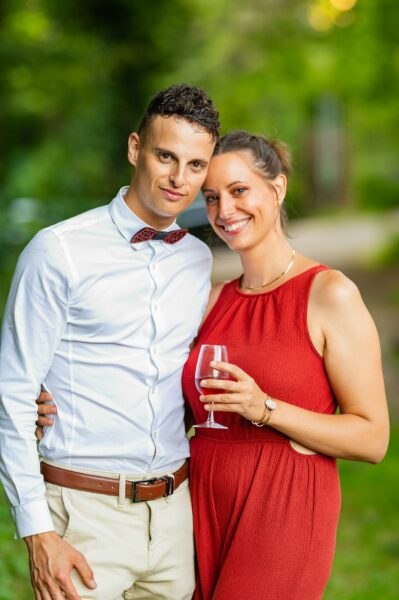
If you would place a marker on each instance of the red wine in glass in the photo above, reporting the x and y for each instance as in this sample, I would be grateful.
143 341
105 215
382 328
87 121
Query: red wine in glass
209 353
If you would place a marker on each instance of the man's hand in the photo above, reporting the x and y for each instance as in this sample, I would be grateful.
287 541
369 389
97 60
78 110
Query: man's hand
188 417
51 560
44 410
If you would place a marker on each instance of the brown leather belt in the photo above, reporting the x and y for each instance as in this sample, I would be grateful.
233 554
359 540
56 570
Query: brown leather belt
137 491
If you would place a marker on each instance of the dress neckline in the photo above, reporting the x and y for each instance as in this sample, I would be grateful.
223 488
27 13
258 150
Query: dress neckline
238 290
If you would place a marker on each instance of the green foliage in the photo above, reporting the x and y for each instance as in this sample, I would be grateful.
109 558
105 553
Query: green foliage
75 79
75 76
388 255
377 193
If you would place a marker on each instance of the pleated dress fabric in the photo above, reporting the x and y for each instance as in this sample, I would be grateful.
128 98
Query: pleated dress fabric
265 515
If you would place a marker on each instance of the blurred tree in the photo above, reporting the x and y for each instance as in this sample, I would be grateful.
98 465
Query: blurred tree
75 76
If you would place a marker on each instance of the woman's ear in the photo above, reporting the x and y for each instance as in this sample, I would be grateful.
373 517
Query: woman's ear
133 148
280 185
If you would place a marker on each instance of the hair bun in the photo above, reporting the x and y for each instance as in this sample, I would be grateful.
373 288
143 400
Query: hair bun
284 155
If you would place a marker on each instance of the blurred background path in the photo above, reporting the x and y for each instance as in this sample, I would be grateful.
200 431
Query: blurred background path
350 243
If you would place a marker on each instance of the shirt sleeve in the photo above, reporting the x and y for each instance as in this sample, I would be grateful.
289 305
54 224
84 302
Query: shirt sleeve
34 321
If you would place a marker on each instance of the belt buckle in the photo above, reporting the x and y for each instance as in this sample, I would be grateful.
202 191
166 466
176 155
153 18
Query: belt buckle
135 490
170 484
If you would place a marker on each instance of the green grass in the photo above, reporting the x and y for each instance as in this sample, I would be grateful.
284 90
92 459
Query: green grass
367 555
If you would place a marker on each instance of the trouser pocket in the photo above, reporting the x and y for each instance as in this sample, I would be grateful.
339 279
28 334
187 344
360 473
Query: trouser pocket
59 512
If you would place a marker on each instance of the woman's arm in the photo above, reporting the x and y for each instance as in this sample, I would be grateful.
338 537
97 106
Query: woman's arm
352 358
343 329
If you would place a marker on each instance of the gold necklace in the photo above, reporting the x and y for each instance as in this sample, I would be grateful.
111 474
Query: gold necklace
287 268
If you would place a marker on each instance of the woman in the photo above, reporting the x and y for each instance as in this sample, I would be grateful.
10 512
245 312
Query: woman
265 492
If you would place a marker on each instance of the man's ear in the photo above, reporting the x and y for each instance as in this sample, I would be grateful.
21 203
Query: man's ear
133 148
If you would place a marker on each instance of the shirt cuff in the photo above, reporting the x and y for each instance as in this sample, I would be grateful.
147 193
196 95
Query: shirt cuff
32 518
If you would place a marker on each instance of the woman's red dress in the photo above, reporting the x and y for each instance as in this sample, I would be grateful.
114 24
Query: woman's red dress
265 516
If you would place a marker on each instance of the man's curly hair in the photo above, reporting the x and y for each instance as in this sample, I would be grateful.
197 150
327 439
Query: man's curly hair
185 101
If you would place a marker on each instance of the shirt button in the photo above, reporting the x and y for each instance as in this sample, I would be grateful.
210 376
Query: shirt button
155 434
154 350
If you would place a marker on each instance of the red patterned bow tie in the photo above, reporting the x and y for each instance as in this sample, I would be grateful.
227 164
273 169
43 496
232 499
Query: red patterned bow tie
148 233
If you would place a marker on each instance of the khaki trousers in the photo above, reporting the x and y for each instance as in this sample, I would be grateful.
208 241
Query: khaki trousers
142 551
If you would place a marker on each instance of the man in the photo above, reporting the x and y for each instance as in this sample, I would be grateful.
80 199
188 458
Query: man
101 311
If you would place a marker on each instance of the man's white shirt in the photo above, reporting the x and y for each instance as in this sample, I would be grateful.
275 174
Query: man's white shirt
105 326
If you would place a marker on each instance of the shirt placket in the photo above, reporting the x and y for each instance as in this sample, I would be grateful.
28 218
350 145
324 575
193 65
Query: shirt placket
153 390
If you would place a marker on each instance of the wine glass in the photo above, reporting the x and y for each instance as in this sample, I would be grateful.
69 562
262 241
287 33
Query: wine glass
207 354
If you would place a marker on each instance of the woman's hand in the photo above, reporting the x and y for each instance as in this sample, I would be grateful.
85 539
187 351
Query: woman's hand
44 409
242 396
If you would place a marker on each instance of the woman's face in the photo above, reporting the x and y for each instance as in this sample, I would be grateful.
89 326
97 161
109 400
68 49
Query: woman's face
243 207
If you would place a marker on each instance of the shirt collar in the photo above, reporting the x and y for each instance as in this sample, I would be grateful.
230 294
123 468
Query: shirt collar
128 223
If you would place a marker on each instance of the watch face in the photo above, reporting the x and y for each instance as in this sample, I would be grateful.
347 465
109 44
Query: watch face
271 404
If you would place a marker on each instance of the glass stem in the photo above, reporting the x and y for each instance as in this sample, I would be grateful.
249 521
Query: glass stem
211 416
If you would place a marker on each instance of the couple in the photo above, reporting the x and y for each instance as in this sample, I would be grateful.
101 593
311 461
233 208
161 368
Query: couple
102 310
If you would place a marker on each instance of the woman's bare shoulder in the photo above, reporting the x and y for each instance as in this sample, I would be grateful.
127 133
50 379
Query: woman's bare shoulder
332 289
336 305
337 313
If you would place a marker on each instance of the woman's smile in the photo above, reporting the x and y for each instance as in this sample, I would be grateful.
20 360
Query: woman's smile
235 227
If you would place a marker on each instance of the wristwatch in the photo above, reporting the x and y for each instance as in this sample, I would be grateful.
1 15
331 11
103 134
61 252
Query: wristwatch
270 406
270 403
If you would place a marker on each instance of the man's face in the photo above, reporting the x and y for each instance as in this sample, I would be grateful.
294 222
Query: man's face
171 162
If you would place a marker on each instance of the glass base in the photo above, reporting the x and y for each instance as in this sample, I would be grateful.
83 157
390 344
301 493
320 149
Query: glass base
210 425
